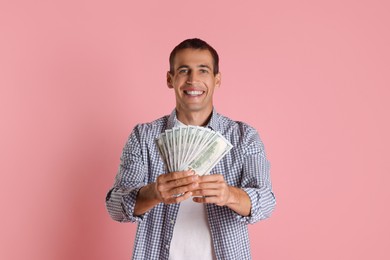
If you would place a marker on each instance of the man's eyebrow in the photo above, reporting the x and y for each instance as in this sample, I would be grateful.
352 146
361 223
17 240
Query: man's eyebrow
204 66
199 66
183 66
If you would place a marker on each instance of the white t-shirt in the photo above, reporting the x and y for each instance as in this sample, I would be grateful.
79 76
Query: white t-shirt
191 236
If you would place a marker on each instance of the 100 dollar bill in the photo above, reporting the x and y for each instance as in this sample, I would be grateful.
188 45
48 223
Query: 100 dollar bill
192 147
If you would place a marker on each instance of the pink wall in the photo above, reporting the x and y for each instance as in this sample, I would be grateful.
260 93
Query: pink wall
312 76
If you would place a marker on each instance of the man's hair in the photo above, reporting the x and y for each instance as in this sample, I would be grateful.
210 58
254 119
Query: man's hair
196 44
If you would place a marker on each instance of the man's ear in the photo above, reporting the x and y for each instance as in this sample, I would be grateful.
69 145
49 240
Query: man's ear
169 80
218 80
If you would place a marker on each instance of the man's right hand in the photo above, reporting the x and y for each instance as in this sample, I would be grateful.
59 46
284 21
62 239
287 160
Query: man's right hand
175 187
169 188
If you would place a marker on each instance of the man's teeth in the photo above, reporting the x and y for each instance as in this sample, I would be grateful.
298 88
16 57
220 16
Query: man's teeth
194 92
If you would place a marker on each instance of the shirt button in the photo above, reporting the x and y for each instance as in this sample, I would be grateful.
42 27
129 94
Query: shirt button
167 246
172 221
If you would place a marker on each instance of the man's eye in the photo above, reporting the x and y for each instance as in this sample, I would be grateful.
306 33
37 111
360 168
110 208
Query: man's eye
204 71
183 71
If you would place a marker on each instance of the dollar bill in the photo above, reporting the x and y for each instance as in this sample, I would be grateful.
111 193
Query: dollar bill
169 144
210 156
162 150
192 147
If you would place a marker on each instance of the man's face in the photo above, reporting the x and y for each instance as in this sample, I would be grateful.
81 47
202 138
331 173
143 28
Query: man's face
193 80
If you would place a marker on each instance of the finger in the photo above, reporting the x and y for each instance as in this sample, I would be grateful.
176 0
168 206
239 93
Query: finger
214 200
182 189
166 186
175 175
206 193
178 199
211 185
182 182
211 178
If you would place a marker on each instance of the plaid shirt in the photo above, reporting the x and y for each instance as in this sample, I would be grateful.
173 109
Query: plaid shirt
245 166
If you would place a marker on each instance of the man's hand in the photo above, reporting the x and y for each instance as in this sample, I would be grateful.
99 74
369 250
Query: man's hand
175 187
169 188
214 189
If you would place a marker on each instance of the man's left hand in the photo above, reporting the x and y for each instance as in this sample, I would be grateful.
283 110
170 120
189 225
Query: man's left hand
214 189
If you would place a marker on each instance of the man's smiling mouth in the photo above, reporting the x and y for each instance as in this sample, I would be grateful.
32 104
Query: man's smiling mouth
193 93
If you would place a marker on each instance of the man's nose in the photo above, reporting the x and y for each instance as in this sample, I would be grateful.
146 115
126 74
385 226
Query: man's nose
192 78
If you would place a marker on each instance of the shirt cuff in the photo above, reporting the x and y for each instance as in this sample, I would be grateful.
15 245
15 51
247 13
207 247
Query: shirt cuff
253 198
122 202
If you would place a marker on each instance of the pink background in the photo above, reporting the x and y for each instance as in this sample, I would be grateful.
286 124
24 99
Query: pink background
311 76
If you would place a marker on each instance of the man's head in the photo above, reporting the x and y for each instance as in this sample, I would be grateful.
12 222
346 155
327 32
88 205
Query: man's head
196 44
194 75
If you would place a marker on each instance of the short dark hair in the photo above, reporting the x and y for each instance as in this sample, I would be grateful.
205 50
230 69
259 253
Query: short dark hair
197 44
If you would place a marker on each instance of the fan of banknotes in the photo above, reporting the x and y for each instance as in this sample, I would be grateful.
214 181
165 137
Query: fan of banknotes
192 148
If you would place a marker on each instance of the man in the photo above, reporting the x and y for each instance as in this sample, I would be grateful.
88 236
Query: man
182 215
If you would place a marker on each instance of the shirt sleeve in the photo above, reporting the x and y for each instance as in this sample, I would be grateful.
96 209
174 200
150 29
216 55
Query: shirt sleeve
256 181
121 199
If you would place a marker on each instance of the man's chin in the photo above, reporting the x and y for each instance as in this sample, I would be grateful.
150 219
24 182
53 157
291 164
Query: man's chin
196 109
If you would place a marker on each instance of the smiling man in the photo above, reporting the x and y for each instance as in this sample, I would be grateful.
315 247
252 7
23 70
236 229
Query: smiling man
209 219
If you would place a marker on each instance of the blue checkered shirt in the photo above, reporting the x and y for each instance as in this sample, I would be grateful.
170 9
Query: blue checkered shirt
245 166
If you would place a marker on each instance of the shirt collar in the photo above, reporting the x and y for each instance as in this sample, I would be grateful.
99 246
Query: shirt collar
212 124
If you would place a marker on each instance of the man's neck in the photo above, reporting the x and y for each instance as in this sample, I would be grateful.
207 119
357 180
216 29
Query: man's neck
198 118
